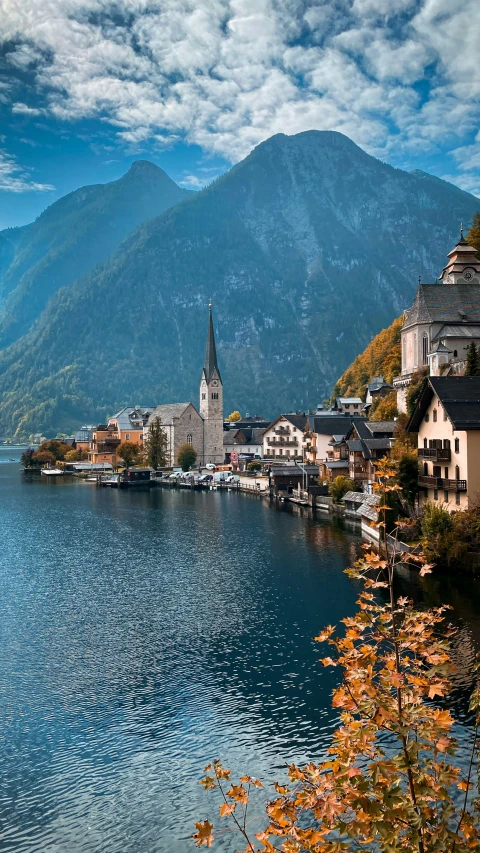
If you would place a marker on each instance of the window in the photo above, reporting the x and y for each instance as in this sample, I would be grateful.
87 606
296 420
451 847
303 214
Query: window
347 405
437 471
425 442
457 445
455 353
445 415
457 498
189 438
127 436
434 416
445 497
204 396
435 494
355 405
457 472
425 348
427 418
425 469
215 395
446 444
446 473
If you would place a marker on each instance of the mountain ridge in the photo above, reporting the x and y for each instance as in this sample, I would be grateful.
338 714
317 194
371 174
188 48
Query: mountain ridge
308 248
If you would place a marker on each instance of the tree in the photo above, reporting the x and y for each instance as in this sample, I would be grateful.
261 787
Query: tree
254 465
413 392
385 408
407 474
186 456
340 486
472 367
43 457
128 452
59 449
389 782
26 458
234 417
473 236
76 455
155 445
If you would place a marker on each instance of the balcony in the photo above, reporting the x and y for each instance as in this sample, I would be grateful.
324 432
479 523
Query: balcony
282 431
442 483
109 446
276 442
435 454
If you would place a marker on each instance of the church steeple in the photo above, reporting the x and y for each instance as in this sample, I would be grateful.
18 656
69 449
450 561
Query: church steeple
463 266
211 363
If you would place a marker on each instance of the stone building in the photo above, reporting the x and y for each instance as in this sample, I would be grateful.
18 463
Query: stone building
184 424
443 320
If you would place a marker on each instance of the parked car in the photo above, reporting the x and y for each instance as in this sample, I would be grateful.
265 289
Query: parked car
210 466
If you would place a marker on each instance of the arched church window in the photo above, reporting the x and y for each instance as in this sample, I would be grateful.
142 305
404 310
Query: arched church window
425 348
189 438
455 353
204 396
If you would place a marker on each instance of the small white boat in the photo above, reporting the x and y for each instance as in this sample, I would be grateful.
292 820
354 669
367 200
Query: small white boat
52 472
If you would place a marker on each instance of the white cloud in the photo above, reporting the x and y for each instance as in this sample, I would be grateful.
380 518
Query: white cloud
469 183
226 74
15 179
24 109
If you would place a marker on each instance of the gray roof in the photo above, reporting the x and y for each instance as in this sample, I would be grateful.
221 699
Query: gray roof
368 511
336 463
125 420
168 412
354 497
437 346
243 436
460 397
336 425
458 332
292 470
376 383
343 400
84 433
375 427
355 444
211 364
445 303
377 443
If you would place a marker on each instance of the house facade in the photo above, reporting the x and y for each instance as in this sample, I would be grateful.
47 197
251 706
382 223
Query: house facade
447 419
443 320
286 437
246 441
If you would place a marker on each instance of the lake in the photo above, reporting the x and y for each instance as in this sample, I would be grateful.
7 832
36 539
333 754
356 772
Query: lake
144 633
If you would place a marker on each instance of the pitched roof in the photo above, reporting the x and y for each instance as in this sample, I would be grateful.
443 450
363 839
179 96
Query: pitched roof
125 420
336 425
374 427
460 397
343 400
168 412
377 443
449 331
445 303
243 436
291 470
211 364
355 444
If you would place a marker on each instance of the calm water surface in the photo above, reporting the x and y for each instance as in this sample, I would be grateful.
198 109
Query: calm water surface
145 633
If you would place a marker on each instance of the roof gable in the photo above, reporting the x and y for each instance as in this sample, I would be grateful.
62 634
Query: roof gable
460 397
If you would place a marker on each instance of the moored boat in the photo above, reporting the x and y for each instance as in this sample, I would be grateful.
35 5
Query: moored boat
52 472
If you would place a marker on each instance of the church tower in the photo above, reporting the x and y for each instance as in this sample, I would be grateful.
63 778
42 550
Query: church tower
211 401
463 266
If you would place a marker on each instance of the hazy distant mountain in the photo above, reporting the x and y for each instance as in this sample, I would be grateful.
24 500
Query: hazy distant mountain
308 248
71 237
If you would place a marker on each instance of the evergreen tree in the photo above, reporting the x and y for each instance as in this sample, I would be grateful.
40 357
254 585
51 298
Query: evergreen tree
473 236
472 367
155 447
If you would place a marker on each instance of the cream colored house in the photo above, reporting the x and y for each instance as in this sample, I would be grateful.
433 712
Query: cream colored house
447 419
443 320
286 437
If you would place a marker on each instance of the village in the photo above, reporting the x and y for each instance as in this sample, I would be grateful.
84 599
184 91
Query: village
329 458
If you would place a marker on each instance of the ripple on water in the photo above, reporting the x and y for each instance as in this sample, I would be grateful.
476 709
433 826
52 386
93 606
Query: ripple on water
142 635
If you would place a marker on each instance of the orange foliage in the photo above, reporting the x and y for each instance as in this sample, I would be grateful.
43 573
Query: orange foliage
382 357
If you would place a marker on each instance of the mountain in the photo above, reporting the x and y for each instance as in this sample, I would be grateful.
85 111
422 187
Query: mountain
71 237
308 248
382 357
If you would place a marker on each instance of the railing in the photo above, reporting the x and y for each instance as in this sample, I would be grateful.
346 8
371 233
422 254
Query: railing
275 442
282 431
442 483
436 454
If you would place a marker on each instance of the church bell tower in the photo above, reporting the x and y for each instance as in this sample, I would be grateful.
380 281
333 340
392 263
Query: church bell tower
211 401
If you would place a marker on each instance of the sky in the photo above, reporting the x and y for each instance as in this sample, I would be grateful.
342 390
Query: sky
88 86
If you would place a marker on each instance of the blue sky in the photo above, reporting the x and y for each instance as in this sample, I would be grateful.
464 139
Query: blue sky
88 86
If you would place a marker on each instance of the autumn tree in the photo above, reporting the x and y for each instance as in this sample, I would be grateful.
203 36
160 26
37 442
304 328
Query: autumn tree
385 408
254 465
43 457
128 452
234 417
155 447
389 781
57 448
26 458
76 455
340 486
186 456
414 388
472 366
473 236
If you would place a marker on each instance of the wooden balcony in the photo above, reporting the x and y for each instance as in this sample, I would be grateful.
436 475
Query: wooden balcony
435 454
281 442
442 483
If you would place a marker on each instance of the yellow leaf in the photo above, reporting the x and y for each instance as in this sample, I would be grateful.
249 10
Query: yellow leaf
238 793
227 809
203 834
436 689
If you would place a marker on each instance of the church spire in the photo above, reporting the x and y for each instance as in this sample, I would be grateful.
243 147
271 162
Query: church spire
211 363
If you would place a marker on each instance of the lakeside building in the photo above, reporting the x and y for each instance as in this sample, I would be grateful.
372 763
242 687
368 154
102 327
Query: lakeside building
447 420
443 320
244 441
285 437
203 427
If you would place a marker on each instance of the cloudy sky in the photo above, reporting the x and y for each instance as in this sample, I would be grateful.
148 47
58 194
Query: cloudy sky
87 86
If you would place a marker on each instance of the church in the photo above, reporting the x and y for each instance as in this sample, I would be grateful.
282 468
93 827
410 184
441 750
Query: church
443 320
203 428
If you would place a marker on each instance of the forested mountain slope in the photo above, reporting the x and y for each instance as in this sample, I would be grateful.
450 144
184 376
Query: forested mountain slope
71 237
308 248
382 357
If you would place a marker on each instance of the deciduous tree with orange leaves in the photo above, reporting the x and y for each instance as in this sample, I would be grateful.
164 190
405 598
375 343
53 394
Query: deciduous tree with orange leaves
390 781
